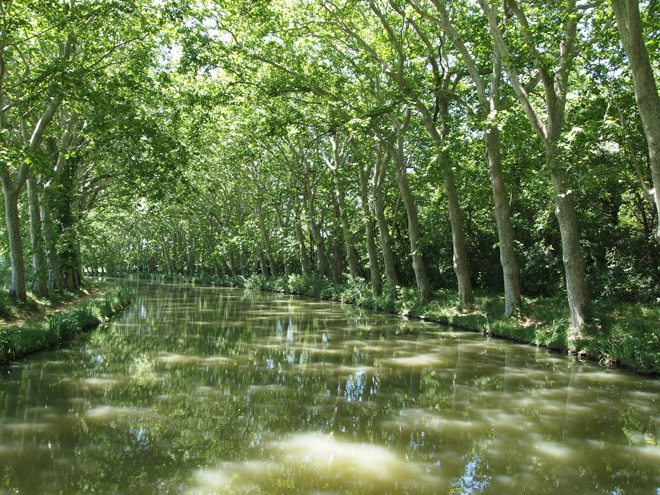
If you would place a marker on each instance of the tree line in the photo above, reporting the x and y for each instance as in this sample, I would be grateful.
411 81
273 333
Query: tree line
75 122
506 146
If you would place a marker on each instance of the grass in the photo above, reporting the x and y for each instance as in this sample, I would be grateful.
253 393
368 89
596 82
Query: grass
12 310
47 330
620 334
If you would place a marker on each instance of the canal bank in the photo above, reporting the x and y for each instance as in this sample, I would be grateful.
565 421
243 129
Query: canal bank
48 328
624 335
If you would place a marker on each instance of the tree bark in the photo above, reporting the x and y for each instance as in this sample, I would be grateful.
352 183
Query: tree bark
335 246
263 263
510 268
646 93
285 254
17 287
351 252
40 283
460 260
232 263
302 249
370 234
383 228
458 242
414 234
266 237
574 264
321 261
51 242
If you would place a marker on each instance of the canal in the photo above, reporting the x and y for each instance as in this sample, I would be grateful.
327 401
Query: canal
203 390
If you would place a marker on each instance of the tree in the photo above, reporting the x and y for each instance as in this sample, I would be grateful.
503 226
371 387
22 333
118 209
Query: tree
488 106
646 91
554 65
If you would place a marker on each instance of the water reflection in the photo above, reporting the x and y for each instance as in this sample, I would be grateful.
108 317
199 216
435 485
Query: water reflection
205 390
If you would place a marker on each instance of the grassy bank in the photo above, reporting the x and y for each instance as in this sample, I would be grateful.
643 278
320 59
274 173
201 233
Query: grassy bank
43 331
620 334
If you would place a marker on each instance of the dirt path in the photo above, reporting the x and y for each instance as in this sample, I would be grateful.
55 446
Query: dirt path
85 296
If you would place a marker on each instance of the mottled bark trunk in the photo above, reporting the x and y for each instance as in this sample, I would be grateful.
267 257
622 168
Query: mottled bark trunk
302 249
574 264
266 237
242 261
351 252
11 189
272 264
458 242
166 257
510 269
370 234
460 260
385 242
79 267
336 260
414 234
285 255
232 264
321 262
39 265
17 287
646 91
263 263
51 244
335 246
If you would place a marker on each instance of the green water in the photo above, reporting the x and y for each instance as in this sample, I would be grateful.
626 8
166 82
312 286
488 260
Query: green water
198 390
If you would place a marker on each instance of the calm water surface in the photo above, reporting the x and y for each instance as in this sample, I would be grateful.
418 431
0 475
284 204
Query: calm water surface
197 390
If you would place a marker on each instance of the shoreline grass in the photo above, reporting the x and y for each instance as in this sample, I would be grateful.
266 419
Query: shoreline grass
619 335
45 331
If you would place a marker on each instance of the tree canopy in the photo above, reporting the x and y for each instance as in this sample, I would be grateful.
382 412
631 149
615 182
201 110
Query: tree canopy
507 147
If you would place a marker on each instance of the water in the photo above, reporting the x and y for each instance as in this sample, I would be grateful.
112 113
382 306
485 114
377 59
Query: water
196 390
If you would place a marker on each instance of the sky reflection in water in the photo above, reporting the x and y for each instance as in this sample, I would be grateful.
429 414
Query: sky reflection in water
206 390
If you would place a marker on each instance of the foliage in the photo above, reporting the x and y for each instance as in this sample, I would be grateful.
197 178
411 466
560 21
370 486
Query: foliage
254 145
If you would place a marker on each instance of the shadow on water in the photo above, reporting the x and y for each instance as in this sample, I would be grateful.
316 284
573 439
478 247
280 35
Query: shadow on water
219 391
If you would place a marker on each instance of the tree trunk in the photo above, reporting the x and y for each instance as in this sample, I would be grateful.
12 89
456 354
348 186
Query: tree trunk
166 257
646 92
321 262
79 267
351 252
510 269
51 243
242 261
414 234
574 264
40 284
335 260
263 264
460 260
370 239
232 263
266 237
17 287
335 246
385 240
549 128
458 241
285 254
304 260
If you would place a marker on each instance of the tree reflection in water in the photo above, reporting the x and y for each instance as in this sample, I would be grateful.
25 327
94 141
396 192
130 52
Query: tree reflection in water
206 390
